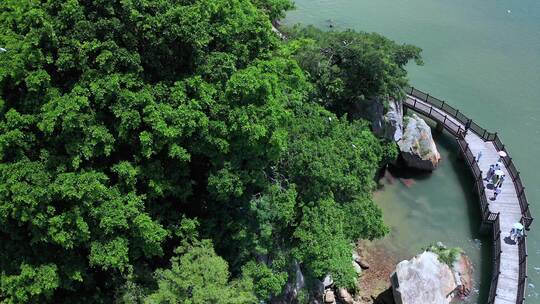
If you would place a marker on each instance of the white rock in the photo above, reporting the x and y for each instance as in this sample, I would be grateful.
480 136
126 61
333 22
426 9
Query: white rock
355 256
423 279
327 281
357 267
417 146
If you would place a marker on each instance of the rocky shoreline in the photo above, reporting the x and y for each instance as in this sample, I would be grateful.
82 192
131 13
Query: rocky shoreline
374 285
434 279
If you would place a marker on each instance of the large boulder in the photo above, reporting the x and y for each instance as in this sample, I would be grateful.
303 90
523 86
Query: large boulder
417 146
423 279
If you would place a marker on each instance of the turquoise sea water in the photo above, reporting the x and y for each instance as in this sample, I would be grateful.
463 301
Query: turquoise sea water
483 57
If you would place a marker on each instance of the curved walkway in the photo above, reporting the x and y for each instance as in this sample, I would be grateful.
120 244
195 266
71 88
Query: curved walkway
509 265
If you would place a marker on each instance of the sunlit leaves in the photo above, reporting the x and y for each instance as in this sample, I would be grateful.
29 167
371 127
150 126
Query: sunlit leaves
31 284
109 254
199 276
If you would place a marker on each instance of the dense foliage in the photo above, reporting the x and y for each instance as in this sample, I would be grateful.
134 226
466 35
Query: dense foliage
350 68
170 151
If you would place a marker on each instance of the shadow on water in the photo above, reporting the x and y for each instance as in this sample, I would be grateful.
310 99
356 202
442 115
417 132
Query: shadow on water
471 204
466 181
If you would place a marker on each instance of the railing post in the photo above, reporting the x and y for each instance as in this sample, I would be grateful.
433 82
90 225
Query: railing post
427 97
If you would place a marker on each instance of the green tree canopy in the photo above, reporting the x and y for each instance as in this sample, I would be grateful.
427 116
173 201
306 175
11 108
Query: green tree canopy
131 130
350 67
198 276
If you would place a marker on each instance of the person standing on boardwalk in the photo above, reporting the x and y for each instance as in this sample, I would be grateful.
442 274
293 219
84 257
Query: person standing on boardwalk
490 172
497 175
467 126
478 156
495 193
502 155
500 181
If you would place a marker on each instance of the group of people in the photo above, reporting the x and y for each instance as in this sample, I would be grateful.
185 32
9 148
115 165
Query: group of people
496 177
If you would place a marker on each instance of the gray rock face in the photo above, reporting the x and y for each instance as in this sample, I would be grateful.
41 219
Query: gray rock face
417 146
393 120
374 109
293 287
423 279
387 125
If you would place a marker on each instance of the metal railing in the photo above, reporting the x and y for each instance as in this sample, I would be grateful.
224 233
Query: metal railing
478 181
522 283
426 107
487 216
455 129
496 235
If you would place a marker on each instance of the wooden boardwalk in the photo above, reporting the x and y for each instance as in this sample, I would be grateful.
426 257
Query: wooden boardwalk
508 286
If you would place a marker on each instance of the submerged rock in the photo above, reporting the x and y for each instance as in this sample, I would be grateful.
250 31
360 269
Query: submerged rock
423 279
417 146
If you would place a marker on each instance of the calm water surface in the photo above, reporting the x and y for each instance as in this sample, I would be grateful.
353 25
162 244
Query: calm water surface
484 58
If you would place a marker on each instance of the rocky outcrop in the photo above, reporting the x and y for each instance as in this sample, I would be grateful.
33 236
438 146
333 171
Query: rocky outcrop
423 279
393 121
373 110
386 117
427 279
417 146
